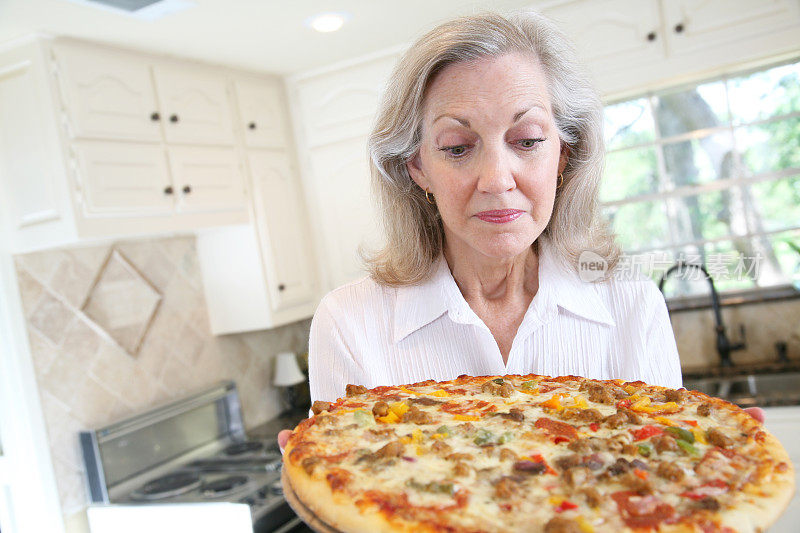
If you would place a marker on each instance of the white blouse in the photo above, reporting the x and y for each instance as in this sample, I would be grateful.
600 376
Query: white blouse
369 334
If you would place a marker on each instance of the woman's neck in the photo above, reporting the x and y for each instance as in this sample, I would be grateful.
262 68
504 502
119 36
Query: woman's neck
485 279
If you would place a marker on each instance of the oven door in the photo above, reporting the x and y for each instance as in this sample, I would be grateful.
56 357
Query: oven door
211 517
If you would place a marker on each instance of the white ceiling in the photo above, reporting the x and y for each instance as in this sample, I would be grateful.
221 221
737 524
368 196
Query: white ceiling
264 35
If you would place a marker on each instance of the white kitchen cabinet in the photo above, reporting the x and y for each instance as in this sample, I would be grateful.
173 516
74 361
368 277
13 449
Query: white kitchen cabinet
206 180
122 178
692 27
618 34
107 161
195 105
282 225
632 46
109 94
262 112
335 110
265 275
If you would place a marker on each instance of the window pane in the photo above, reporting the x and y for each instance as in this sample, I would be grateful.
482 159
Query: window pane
786 247
628 123
699 160
776 204
771 146
652 264
639 225
704 106
765 94
629 173
707 216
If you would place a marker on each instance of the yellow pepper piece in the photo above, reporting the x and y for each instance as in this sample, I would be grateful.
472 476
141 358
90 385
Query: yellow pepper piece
555 500
466 418
580 402
665 421
391 418
411 391
416 436
640 403
406 440
532 391
437 436
440 393
699 435
584 525
399 408
554 402
420 450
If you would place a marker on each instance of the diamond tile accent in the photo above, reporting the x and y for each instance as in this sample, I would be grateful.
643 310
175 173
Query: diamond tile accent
122 302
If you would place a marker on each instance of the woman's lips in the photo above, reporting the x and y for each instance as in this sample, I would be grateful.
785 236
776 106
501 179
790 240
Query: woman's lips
500 216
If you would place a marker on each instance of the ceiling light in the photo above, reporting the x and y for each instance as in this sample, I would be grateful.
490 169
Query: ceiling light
327 22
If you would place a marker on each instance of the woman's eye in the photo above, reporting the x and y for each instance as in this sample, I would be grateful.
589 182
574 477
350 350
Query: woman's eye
529 143
455 151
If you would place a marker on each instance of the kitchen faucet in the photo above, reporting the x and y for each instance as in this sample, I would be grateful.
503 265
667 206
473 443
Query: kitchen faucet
724 346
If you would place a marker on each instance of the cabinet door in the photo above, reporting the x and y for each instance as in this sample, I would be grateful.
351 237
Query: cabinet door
107 94
120 178
343 209
282 229
262 112
694 26
612 34
206 179
195 105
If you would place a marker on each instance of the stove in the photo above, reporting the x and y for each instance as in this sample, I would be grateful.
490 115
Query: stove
191 451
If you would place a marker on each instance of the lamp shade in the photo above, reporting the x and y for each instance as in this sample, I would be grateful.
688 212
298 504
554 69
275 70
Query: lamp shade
287 373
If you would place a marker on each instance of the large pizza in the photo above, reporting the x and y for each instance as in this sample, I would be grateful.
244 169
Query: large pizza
534 453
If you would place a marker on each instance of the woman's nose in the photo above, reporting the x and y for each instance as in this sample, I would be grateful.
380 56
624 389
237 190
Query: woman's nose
495 171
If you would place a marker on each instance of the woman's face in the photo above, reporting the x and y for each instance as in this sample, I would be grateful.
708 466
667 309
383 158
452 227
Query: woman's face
490 154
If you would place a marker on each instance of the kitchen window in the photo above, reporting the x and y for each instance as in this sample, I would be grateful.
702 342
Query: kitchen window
709 173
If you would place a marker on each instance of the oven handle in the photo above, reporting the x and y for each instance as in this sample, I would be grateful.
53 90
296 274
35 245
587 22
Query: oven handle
288 526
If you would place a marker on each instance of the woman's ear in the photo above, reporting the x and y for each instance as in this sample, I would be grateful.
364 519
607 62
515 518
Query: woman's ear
563 158
414 168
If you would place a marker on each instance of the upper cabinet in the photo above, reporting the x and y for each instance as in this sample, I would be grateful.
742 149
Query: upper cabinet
110 94
135 144
194 105
261 114
634 45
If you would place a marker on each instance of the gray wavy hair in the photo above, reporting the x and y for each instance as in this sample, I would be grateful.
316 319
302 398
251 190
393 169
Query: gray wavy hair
413 228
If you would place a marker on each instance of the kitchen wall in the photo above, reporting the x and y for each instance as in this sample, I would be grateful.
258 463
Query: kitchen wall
86 379
765 324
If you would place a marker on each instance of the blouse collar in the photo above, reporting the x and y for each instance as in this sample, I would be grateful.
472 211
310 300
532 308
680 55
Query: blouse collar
559 287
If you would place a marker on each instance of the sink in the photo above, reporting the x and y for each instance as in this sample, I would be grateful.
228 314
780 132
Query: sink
752 389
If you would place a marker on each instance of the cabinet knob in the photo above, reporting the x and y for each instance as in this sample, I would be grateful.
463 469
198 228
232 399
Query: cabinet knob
155 117
651 36
168 190
252 125
679 28
281 287
173 118
186 189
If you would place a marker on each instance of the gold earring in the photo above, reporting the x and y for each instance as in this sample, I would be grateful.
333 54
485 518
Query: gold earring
428 198
560 180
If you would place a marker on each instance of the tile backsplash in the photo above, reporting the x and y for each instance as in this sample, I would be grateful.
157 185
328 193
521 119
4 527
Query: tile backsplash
86 379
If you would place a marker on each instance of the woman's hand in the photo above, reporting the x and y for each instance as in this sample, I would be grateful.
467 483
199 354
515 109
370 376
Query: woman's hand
283 437
755 412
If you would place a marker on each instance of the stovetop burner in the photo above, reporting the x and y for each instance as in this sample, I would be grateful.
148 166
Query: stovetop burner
239 448
168 486
223 486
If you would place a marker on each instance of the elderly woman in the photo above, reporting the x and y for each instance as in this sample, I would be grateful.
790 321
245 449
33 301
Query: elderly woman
487 155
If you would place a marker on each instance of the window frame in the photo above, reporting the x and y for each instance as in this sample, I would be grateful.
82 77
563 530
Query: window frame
740 180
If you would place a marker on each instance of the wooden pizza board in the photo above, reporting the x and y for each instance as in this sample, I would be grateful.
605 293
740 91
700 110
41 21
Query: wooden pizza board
306 514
